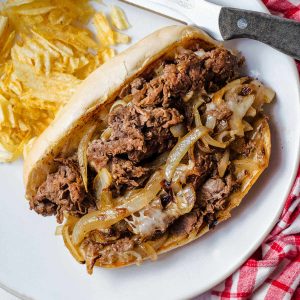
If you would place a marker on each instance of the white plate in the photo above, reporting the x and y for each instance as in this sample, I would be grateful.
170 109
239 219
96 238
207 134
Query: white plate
34 263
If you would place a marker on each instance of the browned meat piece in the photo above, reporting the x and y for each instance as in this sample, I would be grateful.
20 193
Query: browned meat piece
221 67
136 134
185 224
150 94
213 197
241 147
214 189
92 250
137 84
133 87
180 78
125 123
99 151
214 193
204 166
62 191
191 72
124 172
96 252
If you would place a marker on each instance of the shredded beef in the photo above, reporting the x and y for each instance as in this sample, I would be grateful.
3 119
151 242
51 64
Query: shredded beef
97 252
62 191
141 130
137 134
214 189
241 146
185 224
213 197
125 173
221 66
214 193
204 166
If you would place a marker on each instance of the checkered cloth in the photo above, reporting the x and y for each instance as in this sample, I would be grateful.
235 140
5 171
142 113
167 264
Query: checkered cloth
273 272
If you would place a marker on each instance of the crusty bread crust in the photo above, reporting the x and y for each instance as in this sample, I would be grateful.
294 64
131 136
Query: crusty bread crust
102 86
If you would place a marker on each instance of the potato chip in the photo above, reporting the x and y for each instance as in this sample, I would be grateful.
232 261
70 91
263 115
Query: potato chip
11 3
3 25
121 38
35 11
57 87
104 30
45 52
118 18
4 53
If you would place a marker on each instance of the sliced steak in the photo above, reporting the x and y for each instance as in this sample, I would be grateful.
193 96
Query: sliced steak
214 193
137 134
97 252
185 224
62 191
221 66
127 175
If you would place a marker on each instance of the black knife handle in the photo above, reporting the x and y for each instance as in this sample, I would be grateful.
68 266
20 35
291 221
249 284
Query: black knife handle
280 33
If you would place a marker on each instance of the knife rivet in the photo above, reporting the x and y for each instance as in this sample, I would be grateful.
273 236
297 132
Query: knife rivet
242 23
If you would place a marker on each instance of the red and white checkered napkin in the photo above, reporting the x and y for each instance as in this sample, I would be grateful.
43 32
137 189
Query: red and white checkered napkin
273 272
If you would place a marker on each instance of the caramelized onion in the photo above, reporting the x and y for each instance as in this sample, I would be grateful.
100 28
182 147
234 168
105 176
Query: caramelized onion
246 164
178 130
105 219
247 126
182 172
116 104
197 103
226 136
263 95
251 112
210 141
149 250
106 133
101 184
132 254
82 158
188 96
239 110
71 247
223 164
210 122
157 243
181 148
185 199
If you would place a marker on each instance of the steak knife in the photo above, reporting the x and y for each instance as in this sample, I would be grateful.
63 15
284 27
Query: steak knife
226 23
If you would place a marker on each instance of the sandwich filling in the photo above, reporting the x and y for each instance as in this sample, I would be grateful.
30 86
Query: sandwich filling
174 148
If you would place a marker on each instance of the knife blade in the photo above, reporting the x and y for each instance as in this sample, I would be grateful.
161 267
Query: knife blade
225 23
186 11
